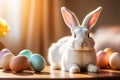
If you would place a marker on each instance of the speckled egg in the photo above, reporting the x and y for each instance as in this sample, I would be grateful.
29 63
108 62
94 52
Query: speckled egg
26 52
19 63
5 61
37 62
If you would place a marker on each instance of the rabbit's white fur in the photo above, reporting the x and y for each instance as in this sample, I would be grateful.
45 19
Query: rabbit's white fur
76 52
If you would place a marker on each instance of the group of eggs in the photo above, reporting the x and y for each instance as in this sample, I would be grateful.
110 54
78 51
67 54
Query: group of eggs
107 58
27 60
24 60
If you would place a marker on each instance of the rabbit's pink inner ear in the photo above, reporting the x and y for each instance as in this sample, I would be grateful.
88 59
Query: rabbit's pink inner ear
93 19
67 18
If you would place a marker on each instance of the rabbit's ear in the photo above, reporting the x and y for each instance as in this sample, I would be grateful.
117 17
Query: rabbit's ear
92 18
69 17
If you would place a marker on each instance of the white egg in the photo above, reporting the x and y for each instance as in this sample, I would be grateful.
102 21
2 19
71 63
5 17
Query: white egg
5 61
114 60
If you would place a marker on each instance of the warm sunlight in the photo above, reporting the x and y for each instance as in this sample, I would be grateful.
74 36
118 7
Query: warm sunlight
32 22
36 24
59 39
10 10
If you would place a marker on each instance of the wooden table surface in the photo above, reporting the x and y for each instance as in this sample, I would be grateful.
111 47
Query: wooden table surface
58 74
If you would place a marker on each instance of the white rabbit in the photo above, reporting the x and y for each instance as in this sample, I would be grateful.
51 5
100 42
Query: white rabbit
75 53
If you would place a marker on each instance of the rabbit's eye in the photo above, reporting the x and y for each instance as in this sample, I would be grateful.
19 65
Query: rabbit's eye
74 35
88 35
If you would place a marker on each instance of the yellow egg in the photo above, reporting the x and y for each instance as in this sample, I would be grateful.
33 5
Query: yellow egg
5 61
114 60
109 51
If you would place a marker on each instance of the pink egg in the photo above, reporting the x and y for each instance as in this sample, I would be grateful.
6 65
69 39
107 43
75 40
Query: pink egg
102 59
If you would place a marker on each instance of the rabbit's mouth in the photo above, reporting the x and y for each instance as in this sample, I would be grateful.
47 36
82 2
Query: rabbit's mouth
84 46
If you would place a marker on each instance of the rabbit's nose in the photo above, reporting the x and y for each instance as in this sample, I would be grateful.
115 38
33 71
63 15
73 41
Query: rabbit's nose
83 43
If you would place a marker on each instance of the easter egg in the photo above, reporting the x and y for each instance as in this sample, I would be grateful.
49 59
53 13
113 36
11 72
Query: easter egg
4 51
26 52
5 61
19 63
102 59
37 62
114 60
109 51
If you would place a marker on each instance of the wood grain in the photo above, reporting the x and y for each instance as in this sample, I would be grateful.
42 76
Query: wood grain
58 74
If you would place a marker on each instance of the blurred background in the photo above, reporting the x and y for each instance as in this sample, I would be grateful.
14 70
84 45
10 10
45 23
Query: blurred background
36 24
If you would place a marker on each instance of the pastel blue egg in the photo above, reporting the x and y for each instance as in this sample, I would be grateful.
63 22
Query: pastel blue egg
37 62
26 52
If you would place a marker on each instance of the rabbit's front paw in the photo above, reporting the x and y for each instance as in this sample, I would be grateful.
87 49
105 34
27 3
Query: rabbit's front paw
74 69
93 68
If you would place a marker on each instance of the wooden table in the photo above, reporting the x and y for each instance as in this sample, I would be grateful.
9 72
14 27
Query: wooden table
57 74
